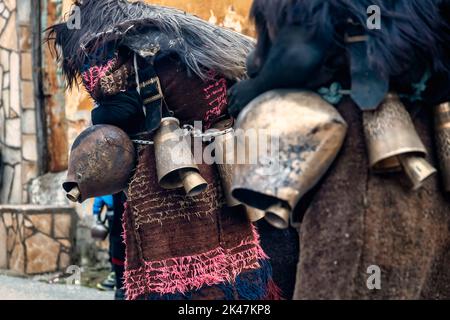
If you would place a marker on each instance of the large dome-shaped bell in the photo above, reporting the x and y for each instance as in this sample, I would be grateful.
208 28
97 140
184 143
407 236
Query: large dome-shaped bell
175 164
393 143
310 133
101 163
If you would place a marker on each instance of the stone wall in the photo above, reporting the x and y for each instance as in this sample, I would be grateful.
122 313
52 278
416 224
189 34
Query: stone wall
18 141
36 239
46 190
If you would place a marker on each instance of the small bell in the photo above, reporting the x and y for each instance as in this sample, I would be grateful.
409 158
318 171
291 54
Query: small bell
74 194
226 159
393 143
175 164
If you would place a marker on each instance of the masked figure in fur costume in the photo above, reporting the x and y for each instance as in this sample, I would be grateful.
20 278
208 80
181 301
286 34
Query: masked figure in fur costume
141 63
311 44
357 219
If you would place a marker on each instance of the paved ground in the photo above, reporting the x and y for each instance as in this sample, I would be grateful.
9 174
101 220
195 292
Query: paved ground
12 288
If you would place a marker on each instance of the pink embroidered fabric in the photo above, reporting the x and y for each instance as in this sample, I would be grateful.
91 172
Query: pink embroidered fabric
191 244
216 95
94 74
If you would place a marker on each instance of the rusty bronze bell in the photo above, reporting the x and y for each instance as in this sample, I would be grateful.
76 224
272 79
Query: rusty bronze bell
442 132
175 165
101 162
226 160
393 143
298 136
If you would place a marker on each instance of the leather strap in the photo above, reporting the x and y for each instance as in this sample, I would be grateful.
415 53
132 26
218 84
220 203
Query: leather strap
369 85
149 87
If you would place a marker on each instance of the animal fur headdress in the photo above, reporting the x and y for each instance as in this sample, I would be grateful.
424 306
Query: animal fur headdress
199 44
412 32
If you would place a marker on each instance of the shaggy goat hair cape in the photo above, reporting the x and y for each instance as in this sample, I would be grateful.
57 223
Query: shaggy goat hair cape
201 45
413 32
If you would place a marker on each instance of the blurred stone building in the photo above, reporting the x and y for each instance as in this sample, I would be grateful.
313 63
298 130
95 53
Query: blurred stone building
40 231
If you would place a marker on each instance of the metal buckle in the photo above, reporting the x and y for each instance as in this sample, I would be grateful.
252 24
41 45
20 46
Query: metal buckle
353 39
150 82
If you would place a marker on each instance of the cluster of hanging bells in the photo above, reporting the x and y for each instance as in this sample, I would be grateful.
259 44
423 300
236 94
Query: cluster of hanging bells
175 164
103 157
393 143
309 134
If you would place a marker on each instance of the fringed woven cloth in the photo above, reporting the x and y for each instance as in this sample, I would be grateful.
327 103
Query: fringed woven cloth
180 247
190 248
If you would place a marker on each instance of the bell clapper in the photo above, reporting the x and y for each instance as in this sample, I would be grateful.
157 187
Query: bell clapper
278 216
193 182
74 194
254 214
417 169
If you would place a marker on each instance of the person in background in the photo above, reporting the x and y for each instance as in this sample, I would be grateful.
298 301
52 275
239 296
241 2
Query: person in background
99 204
114 210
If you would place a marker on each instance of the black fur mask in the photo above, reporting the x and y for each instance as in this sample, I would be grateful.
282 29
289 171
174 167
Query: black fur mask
412 32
